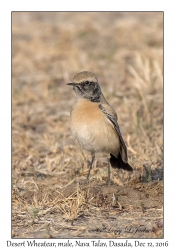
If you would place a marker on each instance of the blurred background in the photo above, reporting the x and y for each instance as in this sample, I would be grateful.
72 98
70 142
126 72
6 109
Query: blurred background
123 49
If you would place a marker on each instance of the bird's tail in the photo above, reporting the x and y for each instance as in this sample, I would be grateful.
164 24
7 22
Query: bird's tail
119 163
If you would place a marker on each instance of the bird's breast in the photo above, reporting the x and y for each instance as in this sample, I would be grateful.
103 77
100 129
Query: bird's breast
92 129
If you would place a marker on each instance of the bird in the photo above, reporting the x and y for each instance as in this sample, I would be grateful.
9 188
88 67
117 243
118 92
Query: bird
94 123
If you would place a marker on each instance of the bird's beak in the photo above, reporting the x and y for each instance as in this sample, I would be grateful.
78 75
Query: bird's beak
71 83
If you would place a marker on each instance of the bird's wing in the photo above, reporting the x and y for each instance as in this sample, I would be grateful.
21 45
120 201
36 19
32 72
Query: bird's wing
112 116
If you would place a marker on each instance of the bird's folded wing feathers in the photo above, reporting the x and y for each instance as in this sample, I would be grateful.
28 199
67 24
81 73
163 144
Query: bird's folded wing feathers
112 116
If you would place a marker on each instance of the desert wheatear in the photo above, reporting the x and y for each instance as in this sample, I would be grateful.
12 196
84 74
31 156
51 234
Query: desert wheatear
94 123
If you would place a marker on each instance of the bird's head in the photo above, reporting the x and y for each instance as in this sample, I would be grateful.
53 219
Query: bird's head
85 85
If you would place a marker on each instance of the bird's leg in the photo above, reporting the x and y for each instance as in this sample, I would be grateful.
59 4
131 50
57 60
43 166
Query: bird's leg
90 167
109 172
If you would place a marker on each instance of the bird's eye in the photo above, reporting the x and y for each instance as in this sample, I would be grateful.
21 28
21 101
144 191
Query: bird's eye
87 82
